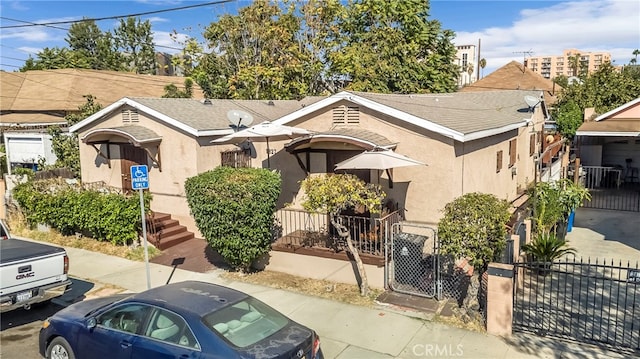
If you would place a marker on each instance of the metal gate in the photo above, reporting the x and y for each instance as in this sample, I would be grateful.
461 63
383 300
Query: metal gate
415 267
595 303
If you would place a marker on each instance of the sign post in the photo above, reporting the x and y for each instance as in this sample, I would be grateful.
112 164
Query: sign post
140 181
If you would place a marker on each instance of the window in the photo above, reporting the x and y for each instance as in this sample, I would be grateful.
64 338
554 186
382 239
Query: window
127 318
513 145
170 328
236 159
346 115
498 161
246 322
130 116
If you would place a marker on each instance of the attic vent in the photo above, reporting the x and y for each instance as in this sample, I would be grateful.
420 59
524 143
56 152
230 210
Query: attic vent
130 116
346 115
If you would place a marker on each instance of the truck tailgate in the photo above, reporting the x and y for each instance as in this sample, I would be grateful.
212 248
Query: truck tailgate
26 265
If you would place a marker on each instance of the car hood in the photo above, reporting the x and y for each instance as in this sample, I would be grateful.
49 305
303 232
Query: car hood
283 344
82 309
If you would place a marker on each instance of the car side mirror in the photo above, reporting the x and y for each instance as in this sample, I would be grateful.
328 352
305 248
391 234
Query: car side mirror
91 323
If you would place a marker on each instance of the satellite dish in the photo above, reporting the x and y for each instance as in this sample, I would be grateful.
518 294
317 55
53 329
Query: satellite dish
239 118
531 101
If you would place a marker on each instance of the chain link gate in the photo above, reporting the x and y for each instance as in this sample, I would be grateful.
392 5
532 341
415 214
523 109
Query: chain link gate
414 266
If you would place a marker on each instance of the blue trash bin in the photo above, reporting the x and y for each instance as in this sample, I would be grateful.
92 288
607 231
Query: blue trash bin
570 221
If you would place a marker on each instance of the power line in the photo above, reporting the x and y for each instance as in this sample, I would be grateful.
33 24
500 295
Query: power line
34 24
118 16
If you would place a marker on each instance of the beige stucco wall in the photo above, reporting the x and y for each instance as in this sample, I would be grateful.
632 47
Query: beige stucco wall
453 168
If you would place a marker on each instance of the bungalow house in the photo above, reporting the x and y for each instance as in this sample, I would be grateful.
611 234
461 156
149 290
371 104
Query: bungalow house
32 101
471 142
608 146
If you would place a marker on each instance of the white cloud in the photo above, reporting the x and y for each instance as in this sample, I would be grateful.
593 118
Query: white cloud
157 19
610 26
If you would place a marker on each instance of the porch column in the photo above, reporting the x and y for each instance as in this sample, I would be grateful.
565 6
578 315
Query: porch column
500 299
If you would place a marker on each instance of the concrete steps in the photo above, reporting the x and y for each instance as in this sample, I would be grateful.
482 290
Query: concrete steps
165 232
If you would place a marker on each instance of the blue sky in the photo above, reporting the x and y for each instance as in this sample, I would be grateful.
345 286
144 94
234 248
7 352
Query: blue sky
505 28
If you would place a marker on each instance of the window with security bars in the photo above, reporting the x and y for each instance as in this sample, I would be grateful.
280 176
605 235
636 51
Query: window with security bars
130 116
346 115
236 159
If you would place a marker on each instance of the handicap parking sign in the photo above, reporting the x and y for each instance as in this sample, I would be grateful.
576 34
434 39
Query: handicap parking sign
139 177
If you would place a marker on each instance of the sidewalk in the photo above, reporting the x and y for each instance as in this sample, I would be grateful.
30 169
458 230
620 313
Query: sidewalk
346 331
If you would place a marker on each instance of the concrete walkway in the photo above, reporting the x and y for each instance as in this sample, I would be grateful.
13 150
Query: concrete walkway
346 331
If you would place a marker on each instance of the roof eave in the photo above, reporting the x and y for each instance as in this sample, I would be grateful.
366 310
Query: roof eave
617 109
127 101
607 134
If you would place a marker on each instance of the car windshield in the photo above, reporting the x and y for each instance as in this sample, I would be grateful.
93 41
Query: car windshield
246 322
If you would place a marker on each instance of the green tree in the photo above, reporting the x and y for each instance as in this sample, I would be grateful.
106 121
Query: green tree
483 64
331 194
172 91
97 47
568 119
234 210
257 54
390 46
56 58
134 39
604 90
65 145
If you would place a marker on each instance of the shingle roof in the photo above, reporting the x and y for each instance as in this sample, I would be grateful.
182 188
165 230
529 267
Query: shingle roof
464 112
63 89
202 117
514 76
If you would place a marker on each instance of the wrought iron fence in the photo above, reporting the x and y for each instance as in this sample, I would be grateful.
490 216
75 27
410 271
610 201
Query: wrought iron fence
298 228
597 303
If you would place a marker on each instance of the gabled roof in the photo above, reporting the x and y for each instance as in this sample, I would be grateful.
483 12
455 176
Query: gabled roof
63 89
461 116
197 117
514 76
619 122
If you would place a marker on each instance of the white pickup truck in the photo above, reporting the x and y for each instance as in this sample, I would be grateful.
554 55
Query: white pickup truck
30 272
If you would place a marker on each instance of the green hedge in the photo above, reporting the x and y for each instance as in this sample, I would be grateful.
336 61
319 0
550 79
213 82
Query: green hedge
234 211
70 208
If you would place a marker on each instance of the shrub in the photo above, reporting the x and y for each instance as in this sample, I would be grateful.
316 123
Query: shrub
474 227
547 247
234 211
70 208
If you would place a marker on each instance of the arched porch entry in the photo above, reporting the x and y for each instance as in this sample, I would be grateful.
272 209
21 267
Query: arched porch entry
137 145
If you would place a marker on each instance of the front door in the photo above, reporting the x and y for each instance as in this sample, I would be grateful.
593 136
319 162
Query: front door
130 156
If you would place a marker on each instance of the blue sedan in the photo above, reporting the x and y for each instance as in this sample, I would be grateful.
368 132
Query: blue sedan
182 320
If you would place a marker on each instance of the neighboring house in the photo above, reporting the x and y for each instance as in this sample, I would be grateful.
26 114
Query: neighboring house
471 142
515 76
33 101
609 147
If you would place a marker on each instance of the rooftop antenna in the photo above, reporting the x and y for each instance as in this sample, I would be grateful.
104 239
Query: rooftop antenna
525 54
239 118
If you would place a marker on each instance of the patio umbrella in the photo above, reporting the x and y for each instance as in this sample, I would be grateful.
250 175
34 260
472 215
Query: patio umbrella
378 160
267 130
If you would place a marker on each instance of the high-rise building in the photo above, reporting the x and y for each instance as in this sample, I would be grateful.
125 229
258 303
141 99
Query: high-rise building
572 62
467 59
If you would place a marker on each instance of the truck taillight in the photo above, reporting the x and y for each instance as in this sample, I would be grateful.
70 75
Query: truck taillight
66 264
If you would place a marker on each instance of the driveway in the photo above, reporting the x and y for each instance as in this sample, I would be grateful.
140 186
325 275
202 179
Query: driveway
606 235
